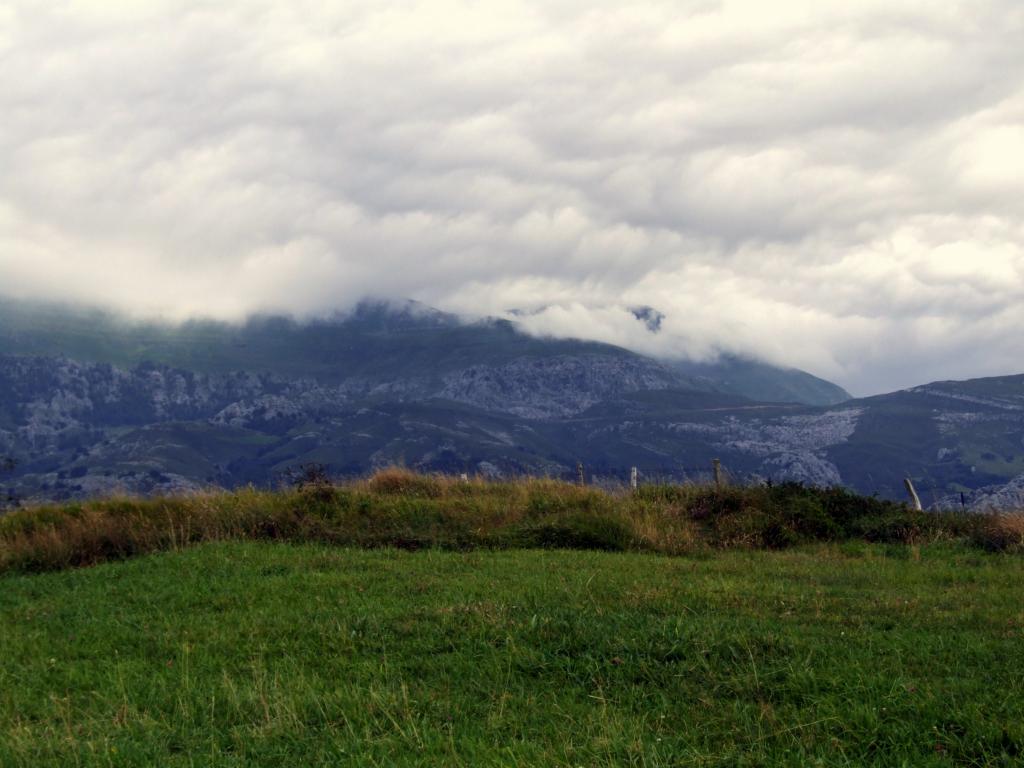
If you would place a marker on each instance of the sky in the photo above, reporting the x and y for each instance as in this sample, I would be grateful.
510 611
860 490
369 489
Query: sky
836 186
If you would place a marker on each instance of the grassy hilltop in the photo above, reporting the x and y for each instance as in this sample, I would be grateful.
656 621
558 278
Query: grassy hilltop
413 621
398 508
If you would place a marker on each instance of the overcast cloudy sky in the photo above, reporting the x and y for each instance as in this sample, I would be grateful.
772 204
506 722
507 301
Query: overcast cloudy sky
832 185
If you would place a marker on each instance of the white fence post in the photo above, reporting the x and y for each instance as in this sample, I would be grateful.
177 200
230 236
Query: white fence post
914 498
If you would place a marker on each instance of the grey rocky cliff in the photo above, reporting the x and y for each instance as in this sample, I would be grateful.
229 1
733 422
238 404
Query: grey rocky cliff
554 386
84 429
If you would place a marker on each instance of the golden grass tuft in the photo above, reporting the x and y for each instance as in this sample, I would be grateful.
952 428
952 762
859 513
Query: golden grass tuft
398 481
1002 532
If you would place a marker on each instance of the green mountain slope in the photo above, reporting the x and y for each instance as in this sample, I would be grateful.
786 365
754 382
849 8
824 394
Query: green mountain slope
375 340
760 381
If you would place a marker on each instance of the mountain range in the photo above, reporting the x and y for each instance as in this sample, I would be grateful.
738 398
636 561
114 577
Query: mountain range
92 403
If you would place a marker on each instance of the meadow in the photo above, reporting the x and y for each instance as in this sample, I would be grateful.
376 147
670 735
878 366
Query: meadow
257 653
413 621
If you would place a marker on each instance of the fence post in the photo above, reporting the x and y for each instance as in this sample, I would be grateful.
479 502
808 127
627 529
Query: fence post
580 477
632 478
716 465
914 498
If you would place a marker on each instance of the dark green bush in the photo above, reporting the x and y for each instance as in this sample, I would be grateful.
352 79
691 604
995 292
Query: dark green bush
791 513
575 531
713 504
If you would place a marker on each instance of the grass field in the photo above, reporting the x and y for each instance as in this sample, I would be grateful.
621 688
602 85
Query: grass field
275 654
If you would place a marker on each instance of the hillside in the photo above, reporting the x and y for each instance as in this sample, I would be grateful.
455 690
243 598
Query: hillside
763 382
91 404
375 343
269 655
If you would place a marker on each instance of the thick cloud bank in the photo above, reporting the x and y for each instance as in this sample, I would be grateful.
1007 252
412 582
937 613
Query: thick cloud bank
836 186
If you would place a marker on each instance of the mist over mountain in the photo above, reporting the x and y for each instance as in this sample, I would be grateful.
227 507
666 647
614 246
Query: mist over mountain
375 340
828 186
92 403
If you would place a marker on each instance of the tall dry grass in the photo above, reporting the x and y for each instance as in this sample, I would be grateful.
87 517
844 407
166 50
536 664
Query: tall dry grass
399 508
1001 532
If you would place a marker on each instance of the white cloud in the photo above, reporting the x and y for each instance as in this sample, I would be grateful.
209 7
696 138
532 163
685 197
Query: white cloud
829 185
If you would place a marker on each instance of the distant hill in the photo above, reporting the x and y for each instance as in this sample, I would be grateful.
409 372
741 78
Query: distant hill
376 342
760 381
90 403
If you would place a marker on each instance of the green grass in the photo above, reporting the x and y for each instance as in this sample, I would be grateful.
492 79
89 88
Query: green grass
255 653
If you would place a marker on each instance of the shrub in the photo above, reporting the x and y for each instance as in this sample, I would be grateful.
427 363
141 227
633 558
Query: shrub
576 531
715 504
313 483
808 519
